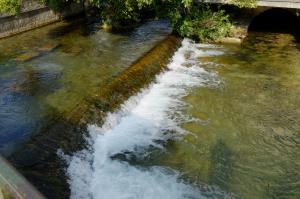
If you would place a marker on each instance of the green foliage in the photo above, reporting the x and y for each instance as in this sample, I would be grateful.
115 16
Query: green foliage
244 3
54 4
197 20
189 18
13 7
58 4
10 6
121 12
205 25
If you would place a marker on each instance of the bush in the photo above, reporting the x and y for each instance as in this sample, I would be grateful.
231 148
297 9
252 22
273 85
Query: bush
203 24
244 3
121 12
195 20
189 19
10 6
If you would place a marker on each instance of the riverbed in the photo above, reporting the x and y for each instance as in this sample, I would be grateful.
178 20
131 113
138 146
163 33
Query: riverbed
222 121
49 78
49 70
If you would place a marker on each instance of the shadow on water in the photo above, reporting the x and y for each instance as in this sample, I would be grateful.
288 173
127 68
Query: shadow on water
257 50
38 161
221 165
85 27
285 185
276 20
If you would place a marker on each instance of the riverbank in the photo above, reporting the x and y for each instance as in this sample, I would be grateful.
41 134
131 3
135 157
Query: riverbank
33 15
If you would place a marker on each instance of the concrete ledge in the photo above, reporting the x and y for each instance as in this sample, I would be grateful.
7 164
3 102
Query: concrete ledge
33 17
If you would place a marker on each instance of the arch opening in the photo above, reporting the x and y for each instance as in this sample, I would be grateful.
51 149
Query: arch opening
276 20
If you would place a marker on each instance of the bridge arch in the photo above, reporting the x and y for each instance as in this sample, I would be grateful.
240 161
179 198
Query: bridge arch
275 20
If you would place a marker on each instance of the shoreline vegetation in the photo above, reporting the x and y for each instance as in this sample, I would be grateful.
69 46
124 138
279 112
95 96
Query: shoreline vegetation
196 20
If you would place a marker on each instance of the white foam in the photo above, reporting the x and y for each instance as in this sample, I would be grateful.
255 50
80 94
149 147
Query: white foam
142 121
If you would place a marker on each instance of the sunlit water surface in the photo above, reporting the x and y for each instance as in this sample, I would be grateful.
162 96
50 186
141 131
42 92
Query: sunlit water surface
221 122
47 72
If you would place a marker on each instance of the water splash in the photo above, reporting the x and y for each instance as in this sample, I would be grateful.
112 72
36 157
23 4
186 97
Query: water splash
142 122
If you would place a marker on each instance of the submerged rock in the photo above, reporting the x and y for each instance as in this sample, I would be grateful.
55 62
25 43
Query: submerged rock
45 48
67 130
74 50
231 40
48 47
27 56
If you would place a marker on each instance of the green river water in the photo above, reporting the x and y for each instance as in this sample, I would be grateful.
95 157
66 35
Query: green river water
245 133
248 142
46 72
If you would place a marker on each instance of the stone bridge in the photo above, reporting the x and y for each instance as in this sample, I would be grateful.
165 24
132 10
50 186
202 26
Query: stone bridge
268 15
292 4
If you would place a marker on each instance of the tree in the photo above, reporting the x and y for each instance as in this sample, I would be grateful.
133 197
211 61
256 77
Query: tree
189 18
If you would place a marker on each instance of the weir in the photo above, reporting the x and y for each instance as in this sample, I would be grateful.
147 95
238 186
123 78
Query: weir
38 159
217 119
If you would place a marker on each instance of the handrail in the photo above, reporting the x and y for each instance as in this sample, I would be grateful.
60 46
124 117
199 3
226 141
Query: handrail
15 186
267 3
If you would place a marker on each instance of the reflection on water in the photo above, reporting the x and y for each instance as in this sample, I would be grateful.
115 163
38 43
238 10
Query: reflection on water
48 71
249 144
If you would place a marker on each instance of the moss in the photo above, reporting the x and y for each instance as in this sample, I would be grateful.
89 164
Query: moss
139 75
68 129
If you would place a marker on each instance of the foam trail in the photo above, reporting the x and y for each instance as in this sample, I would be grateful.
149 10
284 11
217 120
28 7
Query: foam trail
142 122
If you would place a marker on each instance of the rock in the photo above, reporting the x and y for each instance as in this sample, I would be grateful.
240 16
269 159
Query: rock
231 40
75 50
48 47
45 48
27 56
107 28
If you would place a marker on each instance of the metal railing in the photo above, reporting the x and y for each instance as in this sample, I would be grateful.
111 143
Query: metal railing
15 186
268 3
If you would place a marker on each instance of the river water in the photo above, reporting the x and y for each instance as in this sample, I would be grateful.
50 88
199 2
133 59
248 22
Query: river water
44 73
221 122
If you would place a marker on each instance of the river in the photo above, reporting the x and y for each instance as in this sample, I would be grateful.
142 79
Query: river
221 122
46 74
47 71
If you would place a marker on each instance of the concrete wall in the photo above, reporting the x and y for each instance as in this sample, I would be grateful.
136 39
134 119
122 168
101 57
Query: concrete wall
34 15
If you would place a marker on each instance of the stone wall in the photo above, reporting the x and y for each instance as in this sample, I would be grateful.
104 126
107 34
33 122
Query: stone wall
34 15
